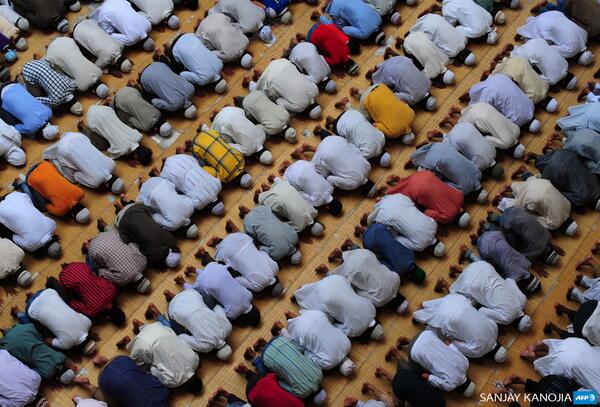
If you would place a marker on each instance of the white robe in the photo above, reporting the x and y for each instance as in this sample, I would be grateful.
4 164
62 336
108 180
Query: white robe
341 163
209 329
540 198
245 14
549 62
354 127
155 10
171 209
432 59
501 299
243 135
497 129
271 117
105 48
79 161
559 31
122 22
11 257
334 296
289 205
591 328
369 277
10 145
103 121
573 358
443 34
412 228
64 55
471 331
303 176
257 270
191 180
287 87
31 228
69 327
219 35
19 384
447 367
470 142
317 338
469 17
307 59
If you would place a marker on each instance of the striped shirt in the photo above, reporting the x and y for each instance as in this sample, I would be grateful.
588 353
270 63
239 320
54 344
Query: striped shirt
118 262
222 160
59 87
298 374
92 295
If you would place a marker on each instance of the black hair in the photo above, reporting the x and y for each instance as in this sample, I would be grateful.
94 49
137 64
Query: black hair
143 154
253 317
238 101
116 316
194 385
367 187
354 46
335 207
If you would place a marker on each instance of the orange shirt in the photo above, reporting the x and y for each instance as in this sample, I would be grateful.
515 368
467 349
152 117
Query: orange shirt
49 183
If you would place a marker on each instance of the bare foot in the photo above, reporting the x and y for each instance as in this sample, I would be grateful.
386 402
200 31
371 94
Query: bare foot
99 360
250 353
336 254
276 328
179 280
169 295
321 269
340 104
123 342
212 242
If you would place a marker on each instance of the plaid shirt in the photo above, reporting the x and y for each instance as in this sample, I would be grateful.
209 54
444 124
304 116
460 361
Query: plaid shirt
221 159
59 87
119 262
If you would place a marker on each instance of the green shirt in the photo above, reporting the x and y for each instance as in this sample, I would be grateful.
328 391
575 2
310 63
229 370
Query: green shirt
298 374
25 343
486 4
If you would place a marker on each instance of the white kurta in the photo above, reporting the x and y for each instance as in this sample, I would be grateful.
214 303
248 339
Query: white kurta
287 203
443 34
123 139
470 142
370 278
19 384
573 358
307 58
11 257
190 179
218 286
31 228
79 161
303 176
497 129
257 270
202 66
245 14
540 198
122 22
168 358
105 48
334 296
209 329
354 127
320 341
155 10
412 228
223 38
172 210
243 135
471 331
70 328
287 87
469 17
559 31
341 163
501 299
271 117
447 367
10 145
64 54
432 59
548 60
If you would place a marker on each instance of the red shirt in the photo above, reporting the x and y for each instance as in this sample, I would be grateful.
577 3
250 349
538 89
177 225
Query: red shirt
331 42
268 393
442 202
92 294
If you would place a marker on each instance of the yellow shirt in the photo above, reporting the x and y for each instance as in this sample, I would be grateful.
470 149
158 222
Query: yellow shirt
390 115
222 160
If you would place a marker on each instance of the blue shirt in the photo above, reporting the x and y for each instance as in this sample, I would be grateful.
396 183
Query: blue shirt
355 18
393 254
130 386
31 113
277 5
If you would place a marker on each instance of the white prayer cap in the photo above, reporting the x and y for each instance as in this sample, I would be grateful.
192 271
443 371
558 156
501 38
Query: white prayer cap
25 278
173 259
16 157
439 249
117 186
464 220
148 44
224 353
173 22
290 135
266 34
266 157
377 332
347 367
190 112
83 216
165 129
49 132
54 250
448 77
246 61
296 258
525 323
246 181
102 91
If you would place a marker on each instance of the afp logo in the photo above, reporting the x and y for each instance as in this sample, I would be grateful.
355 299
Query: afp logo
585 397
